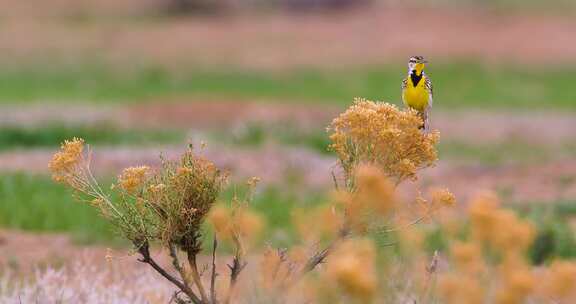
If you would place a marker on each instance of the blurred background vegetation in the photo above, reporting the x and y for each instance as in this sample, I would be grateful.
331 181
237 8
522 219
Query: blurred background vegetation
260 80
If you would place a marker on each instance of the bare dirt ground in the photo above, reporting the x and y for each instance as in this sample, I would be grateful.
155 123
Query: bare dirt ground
22 251
219 114
49 268
376 35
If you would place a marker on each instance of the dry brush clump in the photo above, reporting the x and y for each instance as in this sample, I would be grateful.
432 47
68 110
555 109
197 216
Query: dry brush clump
166 206
381 135
366 245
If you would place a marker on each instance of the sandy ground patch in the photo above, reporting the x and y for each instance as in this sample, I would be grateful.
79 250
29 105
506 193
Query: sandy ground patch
226 114
49 268
39 114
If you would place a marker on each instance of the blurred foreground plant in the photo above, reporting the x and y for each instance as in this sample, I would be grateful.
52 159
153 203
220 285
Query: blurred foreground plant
167 206
338 256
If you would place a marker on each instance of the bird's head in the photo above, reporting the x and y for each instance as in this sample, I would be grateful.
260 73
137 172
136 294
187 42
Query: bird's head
416 64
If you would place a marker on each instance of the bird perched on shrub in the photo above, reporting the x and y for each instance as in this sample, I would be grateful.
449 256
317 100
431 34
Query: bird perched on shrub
417 90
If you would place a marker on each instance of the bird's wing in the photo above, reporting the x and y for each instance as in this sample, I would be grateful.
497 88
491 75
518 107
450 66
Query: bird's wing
404 85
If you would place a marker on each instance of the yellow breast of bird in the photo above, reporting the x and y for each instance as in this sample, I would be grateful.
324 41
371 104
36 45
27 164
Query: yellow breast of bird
416 97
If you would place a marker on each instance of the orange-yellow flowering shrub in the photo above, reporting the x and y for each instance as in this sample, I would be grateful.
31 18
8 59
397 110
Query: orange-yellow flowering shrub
366 245
168 206
65 163
559 282
350 269
133 178
238 224
492 262
457 288
382 135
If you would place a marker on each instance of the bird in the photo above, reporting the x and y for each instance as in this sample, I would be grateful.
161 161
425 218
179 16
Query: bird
417 92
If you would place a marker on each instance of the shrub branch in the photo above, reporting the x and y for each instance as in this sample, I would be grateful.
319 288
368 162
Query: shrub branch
144 250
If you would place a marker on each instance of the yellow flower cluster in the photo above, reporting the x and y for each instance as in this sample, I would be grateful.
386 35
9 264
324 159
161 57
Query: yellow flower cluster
382 135
350 269
272 267
375 189
468 257
499 228
239 224
277 266
64 163
455 288
183 171
497 246
306 223
133 178
517 284
442 197
157 188
560 281
374 195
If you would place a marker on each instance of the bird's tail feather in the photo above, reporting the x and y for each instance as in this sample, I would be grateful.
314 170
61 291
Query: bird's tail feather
425 127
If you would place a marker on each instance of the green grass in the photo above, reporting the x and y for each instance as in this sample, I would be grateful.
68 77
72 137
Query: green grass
456 84
257 134
555 237
499 153
35 203
51 135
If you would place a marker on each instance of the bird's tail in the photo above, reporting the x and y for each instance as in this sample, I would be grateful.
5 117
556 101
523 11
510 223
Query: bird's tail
425 127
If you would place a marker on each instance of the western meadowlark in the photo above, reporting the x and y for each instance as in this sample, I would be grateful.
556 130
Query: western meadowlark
417 90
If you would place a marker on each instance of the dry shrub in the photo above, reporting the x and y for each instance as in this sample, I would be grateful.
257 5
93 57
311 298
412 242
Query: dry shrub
381 135
340 256
491 262
167 206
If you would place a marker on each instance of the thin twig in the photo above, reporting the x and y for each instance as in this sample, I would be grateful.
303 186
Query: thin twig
176 298
144 250
414 222
214 274
431 271
335 180
320 256
235 269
